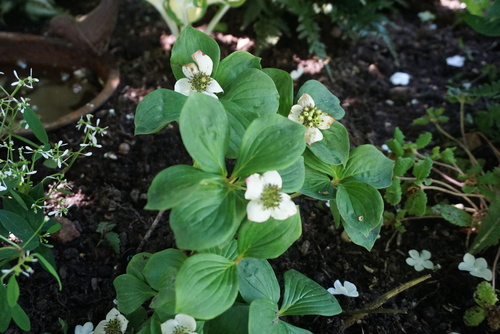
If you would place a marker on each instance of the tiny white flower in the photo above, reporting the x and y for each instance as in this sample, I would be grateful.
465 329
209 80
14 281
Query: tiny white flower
400 79
266 198
348 289
420 260
198 77
115 323
182 324
296 74
476 267
314 119
87 328
455 61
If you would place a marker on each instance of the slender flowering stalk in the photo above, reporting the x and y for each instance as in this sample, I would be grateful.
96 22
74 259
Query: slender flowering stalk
266 198
198 77
314 119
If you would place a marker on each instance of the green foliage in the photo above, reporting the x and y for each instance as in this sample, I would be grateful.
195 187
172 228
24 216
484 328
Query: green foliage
485 298
112 238
483 16
34 9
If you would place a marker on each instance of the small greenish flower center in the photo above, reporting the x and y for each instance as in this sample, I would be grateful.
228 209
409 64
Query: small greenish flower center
271 197
114 326
311 116
181 330
200 81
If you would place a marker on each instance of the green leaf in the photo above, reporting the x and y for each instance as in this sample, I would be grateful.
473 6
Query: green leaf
284 84
137 264
17 225
204 130
173 185
208 218
257 280
360 205
131 292
489 232
453 214
206 286
189 41
49 267
161 261
293 177
489 24
270 239
366 241
402 165
239 120
303 296
393 192
367 164
233 321
113 240
35 125
423 140
229 251
422 168
485 294
252 90
20 317
164 302
323 98
12 291
312 161
271 142
233 65
317 185
157 109
416 203
335 146
5 309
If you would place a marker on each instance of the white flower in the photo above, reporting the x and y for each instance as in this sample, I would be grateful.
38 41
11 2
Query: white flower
198 77
306 112
476 267
182 324
266 198
455 61
115 321
348 289
87 328
296 74
420 260
400 79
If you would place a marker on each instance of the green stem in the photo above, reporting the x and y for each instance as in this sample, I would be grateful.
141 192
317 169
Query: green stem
218 16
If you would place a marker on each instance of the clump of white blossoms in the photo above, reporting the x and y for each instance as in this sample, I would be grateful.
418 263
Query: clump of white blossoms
348 289
266 198
115 323
307 113
182 324
420 260
476 267
198 77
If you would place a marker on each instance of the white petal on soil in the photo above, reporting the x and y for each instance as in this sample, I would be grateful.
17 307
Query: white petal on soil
455 61
400 79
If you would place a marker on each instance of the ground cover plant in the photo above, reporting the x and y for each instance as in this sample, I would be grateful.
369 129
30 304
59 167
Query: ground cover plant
105 195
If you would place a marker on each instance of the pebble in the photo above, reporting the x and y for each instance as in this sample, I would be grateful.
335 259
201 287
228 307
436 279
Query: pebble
124 148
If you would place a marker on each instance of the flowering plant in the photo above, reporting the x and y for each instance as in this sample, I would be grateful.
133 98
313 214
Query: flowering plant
26 222
235 216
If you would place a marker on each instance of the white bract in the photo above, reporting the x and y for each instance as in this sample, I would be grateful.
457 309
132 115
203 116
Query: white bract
115 323
306 112
348 289
420 260
400 79
182 324
198 77
476 267
266 198
87 328
455 61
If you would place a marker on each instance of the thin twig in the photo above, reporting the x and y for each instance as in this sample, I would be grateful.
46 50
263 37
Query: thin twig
494 268
150 231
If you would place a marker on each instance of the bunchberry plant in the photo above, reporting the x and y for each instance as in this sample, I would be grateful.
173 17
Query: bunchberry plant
230 218
25 218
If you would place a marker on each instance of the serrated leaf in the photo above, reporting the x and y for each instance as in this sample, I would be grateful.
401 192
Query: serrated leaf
416 203
423 140
131 292
257 280
402 165
422 168
303 296
270 239
453 214
206 286
393 192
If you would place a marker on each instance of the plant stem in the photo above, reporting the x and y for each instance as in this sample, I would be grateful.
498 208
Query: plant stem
220 13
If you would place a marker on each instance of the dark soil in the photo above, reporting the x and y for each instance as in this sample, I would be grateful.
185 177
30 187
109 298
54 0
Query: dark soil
111 185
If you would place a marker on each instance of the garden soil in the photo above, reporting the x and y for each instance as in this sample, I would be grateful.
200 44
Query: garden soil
111 185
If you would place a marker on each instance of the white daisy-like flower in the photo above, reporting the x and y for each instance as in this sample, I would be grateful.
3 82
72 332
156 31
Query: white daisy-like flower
420 260
348 289
198 77
266 198
87 328
182 324
476 267
115 323
305 112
